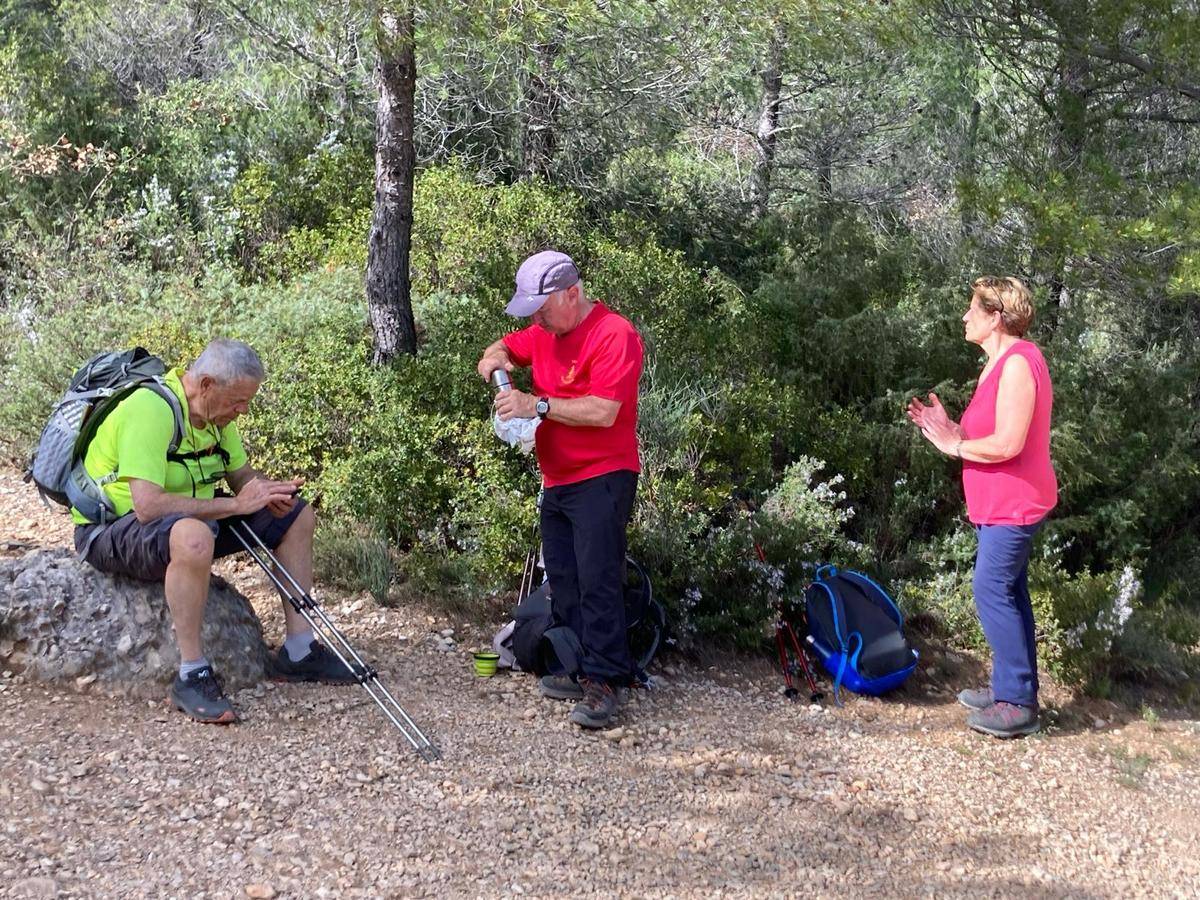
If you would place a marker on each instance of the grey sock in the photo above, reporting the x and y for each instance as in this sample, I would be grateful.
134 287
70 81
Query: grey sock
188 666
298 646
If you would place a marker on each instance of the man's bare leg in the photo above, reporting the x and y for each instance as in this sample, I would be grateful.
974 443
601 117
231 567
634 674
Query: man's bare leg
295 553
302 658
196 692
186 584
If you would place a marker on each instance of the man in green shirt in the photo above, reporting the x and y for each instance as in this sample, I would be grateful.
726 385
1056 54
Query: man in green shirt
172 525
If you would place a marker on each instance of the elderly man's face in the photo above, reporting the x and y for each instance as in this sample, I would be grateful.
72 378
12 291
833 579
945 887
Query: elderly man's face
222 403
560 313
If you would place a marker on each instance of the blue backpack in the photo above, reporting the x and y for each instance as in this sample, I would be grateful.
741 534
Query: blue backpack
857 632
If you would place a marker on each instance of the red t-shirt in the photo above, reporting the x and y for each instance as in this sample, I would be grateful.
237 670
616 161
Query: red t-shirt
601 357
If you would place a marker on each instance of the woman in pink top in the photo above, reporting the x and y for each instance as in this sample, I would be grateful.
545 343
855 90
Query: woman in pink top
1003 440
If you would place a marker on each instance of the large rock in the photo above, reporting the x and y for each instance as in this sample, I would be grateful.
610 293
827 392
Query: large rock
61 619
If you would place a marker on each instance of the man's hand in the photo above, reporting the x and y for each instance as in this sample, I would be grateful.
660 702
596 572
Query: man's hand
492 360
279 496
515 404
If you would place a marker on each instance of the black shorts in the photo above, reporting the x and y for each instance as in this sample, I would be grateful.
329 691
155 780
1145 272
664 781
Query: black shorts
142 551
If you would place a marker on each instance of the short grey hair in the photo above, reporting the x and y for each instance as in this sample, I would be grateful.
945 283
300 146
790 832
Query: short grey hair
225 360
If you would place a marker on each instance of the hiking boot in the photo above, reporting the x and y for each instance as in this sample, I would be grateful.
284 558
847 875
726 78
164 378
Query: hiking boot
560 687
598 706
320 665
976 698
202 696
1005 720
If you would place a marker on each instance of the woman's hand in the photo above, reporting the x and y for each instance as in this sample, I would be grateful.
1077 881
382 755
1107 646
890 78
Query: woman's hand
935 424
919 413
943 434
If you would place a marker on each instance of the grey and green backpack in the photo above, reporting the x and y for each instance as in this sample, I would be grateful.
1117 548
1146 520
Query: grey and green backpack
106 379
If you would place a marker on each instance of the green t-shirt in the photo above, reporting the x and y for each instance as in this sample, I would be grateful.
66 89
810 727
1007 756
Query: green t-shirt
132 442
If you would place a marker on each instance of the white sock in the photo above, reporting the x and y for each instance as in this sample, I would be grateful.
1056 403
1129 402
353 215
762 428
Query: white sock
188 666
297 646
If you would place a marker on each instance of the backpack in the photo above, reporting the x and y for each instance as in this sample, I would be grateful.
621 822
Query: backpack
106 379
538 644
857 632
537 641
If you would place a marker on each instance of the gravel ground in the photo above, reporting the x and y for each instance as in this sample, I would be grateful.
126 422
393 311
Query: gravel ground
710 785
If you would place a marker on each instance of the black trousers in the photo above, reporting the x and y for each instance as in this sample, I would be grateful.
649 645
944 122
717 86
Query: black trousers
583 546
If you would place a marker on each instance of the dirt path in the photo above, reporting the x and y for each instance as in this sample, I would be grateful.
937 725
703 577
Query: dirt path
714 785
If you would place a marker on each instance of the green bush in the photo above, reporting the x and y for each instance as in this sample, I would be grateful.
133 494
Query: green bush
771 411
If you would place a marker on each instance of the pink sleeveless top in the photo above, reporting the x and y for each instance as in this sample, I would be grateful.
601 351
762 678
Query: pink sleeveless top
1021 490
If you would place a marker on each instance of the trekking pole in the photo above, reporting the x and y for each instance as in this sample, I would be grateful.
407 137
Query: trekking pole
784 629
321 624
791 654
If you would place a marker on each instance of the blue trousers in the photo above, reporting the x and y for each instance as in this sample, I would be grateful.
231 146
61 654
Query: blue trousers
583 544
1006 611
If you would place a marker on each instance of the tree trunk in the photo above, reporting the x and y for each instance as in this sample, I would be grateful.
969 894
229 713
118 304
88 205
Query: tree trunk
348 61
825 173
1070 136
389 292
766 133
201 30
968 164
540 122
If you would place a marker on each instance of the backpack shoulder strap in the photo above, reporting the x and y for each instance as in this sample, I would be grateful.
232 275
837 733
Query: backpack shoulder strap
159 386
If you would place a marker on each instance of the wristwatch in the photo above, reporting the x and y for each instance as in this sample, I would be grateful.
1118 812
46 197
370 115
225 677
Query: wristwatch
543 407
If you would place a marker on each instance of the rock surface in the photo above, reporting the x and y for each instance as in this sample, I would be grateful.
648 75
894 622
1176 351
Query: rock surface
61 620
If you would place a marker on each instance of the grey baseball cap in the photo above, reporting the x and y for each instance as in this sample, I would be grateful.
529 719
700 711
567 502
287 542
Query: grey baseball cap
539 277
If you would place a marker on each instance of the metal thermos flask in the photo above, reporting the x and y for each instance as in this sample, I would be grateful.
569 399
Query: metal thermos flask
501 381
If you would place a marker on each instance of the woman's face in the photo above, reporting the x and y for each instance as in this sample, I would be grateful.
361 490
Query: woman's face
979 322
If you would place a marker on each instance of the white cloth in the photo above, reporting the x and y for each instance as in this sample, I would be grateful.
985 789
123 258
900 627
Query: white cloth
516 432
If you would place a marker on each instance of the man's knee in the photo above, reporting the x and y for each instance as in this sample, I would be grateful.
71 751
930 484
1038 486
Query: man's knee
192 543
302 526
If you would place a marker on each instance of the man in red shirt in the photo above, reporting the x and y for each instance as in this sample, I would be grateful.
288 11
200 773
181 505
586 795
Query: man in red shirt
586 363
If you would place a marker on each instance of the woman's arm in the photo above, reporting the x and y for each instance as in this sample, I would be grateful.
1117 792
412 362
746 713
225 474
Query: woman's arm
1014 411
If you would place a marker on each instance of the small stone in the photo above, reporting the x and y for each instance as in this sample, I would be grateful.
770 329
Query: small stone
447 632
1099 723
910 814
40 786
260 891
83 682
613 734
589 848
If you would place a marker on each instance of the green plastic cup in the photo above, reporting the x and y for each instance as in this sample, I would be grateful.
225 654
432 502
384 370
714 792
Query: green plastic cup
485 663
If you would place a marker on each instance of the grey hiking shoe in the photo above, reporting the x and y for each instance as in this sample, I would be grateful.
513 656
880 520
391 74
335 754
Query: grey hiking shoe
202 696
598 705
976 698
1005 720
560 687
320 665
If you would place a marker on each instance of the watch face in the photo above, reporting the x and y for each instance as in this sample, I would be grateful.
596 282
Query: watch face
542 407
